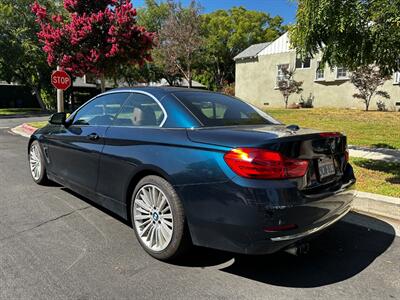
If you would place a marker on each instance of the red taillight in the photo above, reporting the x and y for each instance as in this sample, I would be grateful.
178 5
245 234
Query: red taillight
264 164
280 228
329 134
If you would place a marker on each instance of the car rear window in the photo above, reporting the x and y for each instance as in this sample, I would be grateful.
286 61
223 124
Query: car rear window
213 109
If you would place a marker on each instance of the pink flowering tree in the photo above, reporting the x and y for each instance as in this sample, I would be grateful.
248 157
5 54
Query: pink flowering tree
93 36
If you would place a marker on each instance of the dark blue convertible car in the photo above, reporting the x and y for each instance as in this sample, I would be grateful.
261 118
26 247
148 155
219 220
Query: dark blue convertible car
197 167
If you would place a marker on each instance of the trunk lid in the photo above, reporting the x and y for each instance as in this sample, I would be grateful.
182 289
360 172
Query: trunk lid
325 151
249 136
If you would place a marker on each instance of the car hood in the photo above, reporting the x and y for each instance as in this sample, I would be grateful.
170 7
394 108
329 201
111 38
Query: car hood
248 136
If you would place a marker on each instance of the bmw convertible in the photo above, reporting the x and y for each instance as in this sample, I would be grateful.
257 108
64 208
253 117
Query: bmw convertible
192 167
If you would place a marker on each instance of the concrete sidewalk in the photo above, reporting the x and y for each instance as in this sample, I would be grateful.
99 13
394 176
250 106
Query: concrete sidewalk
389 155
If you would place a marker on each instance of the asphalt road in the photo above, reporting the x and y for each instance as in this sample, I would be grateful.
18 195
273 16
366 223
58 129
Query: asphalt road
57 245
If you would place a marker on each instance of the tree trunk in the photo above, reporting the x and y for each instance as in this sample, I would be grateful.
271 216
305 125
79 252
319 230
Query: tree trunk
189 79
220 82
286 101
103 83
169 81
367 101
36 91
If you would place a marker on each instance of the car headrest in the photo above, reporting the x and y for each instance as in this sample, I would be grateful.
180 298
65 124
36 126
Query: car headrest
143 116
232 114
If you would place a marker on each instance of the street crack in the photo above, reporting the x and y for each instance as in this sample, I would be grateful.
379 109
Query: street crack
43 223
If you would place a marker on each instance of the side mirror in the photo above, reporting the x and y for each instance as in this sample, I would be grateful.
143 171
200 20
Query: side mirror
58 118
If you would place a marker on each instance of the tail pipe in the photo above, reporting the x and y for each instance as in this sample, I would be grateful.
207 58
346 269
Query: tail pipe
298 250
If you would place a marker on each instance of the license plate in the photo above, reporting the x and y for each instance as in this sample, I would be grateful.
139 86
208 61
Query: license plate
326 168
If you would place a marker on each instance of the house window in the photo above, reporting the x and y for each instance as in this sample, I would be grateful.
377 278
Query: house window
281 73
320 72
341 73
397 78
303 63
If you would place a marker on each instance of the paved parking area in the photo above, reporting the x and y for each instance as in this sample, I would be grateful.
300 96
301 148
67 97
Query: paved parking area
57 245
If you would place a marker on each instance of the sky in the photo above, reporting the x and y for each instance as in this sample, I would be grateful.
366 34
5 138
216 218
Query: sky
285 8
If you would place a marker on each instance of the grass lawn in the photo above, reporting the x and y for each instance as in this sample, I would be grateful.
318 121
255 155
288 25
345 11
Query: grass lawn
18 111
373 128
38 124
377 177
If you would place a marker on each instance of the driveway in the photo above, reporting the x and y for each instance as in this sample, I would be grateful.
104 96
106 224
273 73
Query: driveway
55 244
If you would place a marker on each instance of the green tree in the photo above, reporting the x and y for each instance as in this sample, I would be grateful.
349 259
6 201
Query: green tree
180 39
153 16
21 57
350 33
226 34
135 74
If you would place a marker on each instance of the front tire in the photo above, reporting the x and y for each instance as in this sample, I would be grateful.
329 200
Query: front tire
37 164
158 218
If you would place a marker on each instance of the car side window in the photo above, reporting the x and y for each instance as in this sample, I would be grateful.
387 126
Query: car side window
101 111
140 110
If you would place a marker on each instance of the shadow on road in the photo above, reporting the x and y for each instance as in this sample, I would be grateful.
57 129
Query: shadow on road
341 252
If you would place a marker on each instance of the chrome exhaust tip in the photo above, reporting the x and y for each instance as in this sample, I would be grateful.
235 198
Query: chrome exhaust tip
298 250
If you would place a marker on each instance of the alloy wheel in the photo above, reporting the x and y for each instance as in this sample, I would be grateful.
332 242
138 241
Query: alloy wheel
153 217
35 162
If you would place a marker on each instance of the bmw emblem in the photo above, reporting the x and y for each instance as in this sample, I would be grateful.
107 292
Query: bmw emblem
155 216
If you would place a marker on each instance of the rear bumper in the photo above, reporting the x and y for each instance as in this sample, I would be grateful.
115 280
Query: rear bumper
311 231
232 217
313 220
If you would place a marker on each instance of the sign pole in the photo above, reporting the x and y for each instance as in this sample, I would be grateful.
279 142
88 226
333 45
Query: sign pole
60 98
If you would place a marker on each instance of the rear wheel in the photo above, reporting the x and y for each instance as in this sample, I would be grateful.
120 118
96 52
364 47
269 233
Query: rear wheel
37 164
158 218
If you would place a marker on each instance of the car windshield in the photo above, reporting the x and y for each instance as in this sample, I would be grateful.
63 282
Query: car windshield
213 109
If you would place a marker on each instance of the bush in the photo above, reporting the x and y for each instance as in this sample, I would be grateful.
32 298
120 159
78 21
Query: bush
48 99
308 103
381 105
229 89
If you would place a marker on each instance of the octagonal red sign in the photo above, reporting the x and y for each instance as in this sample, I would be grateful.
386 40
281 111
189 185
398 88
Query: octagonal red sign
60 80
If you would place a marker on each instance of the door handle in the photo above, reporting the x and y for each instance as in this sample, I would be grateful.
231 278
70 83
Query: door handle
93 136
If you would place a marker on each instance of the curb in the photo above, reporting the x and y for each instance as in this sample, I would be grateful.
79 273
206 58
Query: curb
28 129
377 204
25 130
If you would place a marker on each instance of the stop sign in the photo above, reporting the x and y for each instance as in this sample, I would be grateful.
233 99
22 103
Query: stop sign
60 80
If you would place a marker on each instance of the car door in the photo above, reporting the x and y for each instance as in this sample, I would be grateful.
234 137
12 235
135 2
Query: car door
74 150
126 145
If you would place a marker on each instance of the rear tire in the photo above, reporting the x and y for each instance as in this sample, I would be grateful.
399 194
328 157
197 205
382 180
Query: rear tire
158 219
37 164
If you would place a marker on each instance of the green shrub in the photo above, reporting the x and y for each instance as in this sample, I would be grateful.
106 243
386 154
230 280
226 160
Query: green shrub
48 99
308 103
